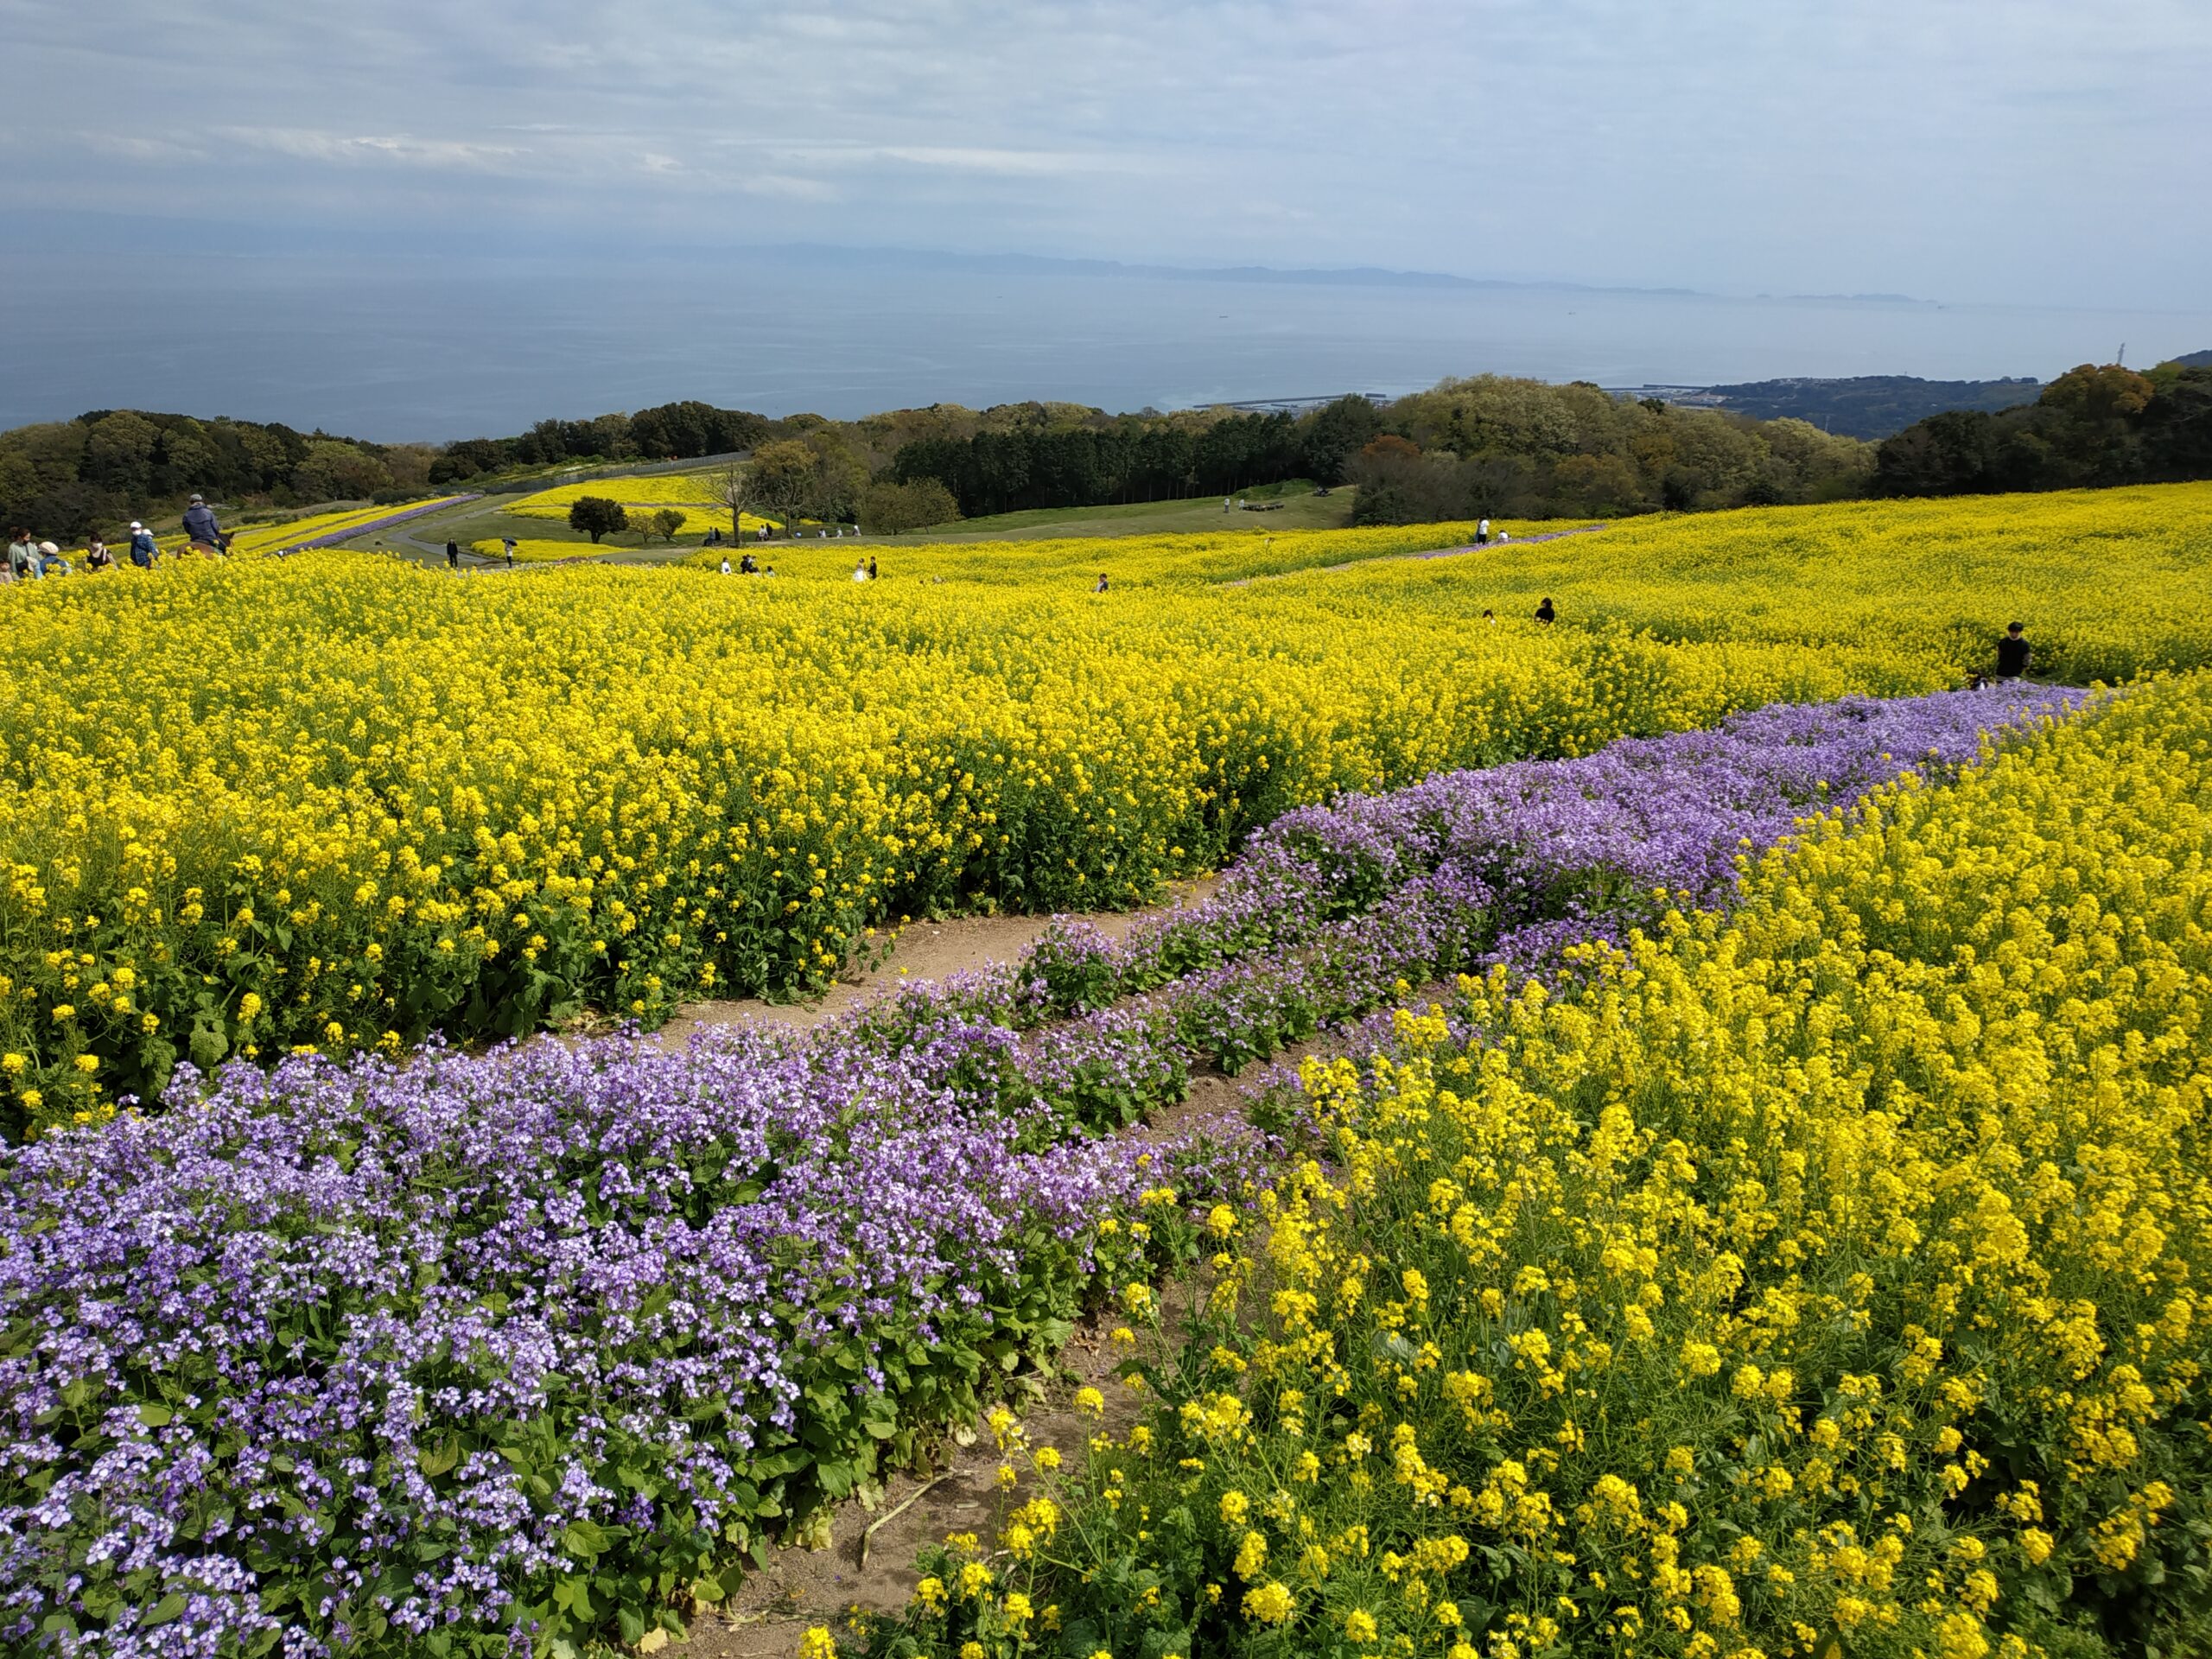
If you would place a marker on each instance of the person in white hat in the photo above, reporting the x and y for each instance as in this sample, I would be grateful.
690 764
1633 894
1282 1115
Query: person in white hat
142 551
50 561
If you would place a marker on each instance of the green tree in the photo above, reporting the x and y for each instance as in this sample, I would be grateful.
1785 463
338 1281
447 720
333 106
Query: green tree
667 522
332 471
888 508
2091 393
119 453
596 516
1338 432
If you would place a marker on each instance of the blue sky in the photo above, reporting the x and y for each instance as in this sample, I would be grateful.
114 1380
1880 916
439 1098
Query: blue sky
2031 151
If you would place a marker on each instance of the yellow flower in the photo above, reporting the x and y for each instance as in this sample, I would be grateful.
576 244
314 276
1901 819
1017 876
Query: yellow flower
817 1643
1270 1604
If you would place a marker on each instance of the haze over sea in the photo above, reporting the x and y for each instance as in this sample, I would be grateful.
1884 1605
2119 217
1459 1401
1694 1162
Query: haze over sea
437 344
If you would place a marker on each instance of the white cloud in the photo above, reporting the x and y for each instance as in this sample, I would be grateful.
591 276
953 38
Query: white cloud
1874 144
445 154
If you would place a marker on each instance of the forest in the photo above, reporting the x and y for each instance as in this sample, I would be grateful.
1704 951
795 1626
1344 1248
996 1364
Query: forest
1485 446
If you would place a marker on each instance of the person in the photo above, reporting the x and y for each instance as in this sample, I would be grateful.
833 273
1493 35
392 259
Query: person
725 564
1502 538
1482 534
507 547
871 567
144 552
860 570
50 561
453 555
714 538
1545 613
2013 651
1490 617
200 526
21 551
1101 587
770 570
97 557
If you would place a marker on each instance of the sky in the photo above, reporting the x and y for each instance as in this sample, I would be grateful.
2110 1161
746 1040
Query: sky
2031 152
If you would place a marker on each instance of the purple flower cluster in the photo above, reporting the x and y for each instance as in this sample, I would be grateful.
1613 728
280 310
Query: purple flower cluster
1530 856
379 1355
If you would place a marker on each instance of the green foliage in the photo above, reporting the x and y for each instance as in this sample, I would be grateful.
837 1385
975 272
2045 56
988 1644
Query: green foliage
1870 405
335 471
888 508
596 516
2094 425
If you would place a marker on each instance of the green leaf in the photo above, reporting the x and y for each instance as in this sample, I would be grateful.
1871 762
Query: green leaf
169 1607
155 1416
584 1539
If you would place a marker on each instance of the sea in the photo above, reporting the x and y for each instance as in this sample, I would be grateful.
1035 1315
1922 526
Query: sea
435 344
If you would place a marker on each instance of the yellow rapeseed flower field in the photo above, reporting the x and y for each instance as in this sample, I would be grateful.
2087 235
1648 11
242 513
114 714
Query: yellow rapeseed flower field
1827 1276
2111 583
337 800
641 490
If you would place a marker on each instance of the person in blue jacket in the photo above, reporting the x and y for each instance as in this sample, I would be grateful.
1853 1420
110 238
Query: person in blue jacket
200 524
144 552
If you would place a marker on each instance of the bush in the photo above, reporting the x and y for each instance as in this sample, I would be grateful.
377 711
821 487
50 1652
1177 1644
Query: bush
888 508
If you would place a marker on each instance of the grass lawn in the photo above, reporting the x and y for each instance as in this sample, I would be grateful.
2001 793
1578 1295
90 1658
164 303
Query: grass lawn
1300 509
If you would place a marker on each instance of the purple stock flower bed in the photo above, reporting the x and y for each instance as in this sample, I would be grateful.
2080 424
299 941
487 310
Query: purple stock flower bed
456 1352
1510 863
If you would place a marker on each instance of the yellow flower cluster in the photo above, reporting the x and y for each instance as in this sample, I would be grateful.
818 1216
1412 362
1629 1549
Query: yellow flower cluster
376 801
702 488
291 532
1832 1270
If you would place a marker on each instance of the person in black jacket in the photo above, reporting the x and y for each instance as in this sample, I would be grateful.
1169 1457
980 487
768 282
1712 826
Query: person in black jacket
2013 652
1545 615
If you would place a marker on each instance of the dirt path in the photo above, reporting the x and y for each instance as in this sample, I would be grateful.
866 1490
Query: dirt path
869 1564
1434 553
923 950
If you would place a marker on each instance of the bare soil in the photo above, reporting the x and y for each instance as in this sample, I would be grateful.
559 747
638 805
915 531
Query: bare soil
922 950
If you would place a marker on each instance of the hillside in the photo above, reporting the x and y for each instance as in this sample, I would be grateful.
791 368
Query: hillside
1871 405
